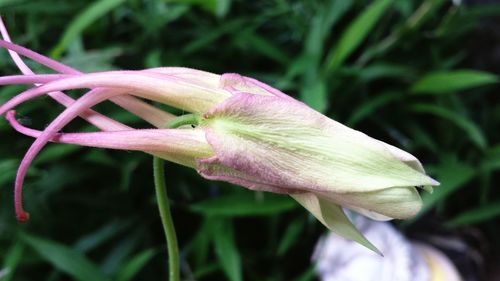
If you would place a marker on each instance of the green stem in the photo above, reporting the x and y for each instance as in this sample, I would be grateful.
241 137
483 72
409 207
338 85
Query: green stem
166 220
163 203
188 119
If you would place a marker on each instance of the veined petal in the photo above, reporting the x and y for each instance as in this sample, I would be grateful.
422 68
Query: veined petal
32 79
81 105
205 97
411 161
332 216
183 144
100 121
262 136
149 113
15 57
50 63
204 78
395 202
134 105
241 84
155 141
90 99
167 89
210 168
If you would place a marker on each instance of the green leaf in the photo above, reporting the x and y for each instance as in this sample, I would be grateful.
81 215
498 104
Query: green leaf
134 265
226 251
90 61
367 108
212 35
199 246
314 91
425 11
422 137
333 217
291 236
8 168
12 259
440 82
55 152
205 270
315 95
452 175
384 70
264 47
355 33
322 23
115 258
308 275
491 160
481 214
65 259
220 8
82 21
93 240
244 205
472 130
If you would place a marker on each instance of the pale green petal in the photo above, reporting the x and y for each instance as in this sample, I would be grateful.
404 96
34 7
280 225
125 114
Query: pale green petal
200 77
395 202
287 144
405 157
370 214
237 82
332 216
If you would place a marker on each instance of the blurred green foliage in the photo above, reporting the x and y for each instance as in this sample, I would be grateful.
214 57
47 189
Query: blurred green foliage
411 73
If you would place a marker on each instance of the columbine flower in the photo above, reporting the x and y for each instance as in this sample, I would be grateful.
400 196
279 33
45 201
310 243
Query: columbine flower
246 133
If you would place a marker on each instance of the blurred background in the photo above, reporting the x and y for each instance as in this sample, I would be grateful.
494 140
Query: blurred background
421 75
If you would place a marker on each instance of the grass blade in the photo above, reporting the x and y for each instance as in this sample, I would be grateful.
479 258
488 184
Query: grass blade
226 251
452 175
82 21
65 259
441 82
244 205
367 108
12 260
481 214
472 130
134 265
355 33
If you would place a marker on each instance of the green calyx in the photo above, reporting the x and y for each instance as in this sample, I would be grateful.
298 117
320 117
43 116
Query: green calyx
187 119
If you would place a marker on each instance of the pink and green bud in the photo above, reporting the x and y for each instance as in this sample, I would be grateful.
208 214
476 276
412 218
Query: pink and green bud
244 132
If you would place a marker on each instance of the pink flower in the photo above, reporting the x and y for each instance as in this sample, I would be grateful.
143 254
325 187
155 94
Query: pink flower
244 132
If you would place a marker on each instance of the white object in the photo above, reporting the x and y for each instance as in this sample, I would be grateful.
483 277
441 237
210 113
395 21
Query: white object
338 259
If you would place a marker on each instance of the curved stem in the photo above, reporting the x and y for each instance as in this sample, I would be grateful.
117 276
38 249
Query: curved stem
163 203
166 220
188 119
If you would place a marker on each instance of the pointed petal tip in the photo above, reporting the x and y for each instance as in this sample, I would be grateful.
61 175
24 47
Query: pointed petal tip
428 186
369 245
434 182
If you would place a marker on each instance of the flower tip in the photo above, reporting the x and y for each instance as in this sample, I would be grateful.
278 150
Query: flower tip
435 182
22 217
428 188
378 252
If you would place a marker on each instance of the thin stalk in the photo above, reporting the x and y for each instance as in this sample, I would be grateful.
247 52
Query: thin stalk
166 220
164 204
